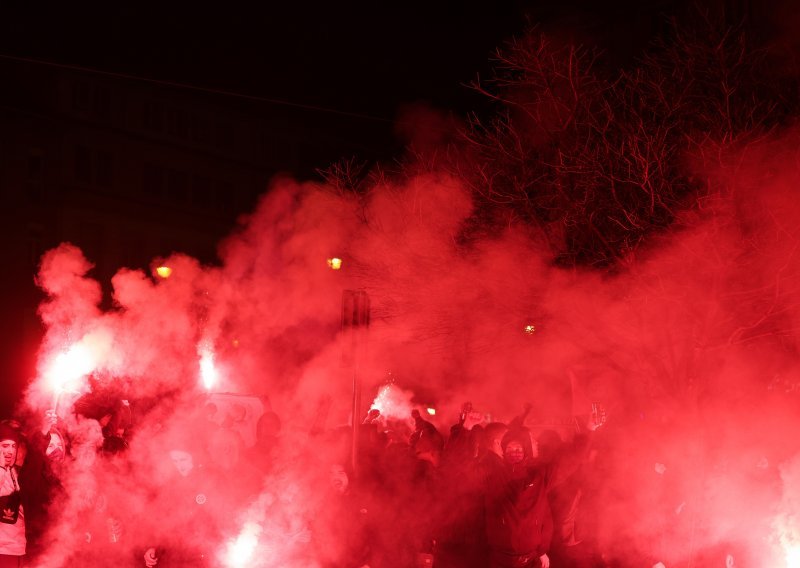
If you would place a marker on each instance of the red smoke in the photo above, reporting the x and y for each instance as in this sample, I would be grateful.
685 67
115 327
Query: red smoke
691 348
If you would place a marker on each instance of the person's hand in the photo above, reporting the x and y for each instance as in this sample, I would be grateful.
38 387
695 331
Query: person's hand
114 529
544 560
150 558
50 420
597 418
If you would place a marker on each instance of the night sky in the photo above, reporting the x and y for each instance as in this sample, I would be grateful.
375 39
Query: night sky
366 58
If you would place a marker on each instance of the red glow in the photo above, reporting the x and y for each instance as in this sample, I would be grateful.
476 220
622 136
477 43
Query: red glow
393 402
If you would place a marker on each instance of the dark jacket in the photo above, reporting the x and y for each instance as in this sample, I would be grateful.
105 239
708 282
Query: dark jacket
518 516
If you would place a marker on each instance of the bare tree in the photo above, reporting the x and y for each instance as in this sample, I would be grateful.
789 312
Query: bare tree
597 160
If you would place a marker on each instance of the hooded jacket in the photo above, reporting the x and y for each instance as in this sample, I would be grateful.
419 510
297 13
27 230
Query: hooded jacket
518 517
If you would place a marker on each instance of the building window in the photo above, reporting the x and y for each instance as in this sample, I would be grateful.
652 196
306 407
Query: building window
225 198
34 174
202 191
153 116
177 184
104 169
81 96
199 130
83 164
102 103
225 137
91 238
35 169
153 180
35 244
178 123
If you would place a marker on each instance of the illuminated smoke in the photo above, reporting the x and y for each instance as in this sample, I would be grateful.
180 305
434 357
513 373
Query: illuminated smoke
393 402
691 348
208 371
241 550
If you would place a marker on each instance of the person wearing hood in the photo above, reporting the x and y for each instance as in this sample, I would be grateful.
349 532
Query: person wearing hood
41 476
519 523
12 518
568 467
190 506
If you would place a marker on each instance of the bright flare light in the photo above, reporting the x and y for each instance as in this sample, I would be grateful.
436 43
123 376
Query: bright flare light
164 271
431 411
70 366
208 371
793 557
240 551
393 402
530 328
787 538
335 263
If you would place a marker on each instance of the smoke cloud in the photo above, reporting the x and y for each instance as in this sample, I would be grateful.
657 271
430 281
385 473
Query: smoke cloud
691 349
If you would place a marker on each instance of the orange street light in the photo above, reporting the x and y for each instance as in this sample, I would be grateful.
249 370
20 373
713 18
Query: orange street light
164 272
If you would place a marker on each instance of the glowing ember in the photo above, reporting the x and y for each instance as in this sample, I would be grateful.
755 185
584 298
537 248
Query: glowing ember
335 263
530 328
164 271
208 371
431 411
240 551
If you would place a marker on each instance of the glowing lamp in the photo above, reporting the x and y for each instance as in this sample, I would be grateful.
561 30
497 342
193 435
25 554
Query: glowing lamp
335 263
431 411
530 328
164 272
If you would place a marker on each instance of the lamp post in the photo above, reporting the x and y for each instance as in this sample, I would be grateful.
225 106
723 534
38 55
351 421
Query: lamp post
355 323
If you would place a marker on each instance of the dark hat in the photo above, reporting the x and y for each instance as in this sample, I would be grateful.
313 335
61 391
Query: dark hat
9 433
521 435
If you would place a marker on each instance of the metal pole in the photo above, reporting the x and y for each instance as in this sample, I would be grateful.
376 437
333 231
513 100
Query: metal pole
355 321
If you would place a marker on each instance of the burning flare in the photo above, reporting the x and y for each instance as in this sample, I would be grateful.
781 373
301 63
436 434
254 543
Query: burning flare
69 366
393 402
82 358
208 370
240 550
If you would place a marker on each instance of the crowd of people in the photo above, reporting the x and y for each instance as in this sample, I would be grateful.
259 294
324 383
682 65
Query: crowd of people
76 491
188 491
